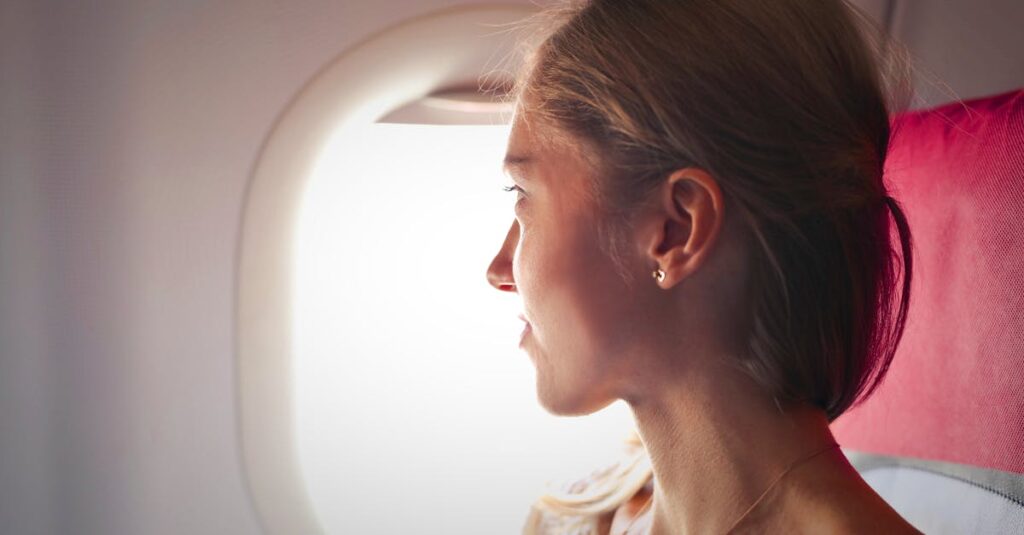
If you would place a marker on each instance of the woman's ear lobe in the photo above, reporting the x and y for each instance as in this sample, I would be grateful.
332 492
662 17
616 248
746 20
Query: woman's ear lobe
692 212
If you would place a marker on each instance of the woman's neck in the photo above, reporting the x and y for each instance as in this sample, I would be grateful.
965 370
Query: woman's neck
716 445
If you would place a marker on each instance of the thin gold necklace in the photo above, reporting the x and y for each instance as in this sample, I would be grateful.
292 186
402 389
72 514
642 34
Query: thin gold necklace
778 478
754 505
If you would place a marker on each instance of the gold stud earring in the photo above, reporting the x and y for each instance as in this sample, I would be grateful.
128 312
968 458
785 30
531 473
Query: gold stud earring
659 275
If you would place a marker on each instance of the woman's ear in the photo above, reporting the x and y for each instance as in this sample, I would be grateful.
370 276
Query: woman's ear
689 212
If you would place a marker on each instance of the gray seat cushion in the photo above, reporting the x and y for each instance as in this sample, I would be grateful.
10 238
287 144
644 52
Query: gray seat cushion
938 497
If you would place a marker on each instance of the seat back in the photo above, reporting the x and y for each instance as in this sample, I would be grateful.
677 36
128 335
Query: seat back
954 395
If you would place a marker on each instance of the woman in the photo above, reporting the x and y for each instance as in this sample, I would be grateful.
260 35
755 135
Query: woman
702 230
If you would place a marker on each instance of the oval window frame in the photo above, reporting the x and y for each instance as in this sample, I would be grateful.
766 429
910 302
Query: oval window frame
362 84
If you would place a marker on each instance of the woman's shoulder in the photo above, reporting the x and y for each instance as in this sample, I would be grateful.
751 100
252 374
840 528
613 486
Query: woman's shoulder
587 505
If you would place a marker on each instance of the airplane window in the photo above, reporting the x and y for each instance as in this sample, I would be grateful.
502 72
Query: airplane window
415 410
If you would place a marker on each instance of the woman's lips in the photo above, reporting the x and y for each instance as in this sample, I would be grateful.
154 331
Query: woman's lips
526 330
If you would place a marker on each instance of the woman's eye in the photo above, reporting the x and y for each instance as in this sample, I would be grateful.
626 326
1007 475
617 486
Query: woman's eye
515 187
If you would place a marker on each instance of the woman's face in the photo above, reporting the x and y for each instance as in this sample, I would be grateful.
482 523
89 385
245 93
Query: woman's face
579 311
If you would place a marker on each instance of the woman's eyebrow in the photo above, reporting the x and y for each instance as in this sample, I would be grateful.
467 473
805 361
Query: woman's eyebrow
514 163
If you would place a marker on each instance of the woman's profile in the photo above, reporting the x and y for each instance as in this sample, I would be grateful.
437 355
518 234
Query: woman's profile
702 230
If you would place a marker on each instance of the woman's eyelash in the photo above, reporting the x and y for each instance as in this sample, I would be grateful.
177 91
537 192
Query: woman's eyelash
513 188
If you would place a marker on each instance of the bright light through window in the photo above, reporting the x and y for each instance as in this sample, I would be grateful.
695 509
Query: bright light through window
416 411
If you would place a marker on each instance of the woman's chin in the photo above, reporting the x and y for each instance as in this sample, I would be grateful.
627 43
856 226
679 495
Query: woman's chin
561 400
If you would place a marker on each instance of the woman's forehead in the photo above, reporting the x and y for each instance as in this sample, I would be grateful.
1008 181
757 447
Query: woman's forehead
535 144
532 129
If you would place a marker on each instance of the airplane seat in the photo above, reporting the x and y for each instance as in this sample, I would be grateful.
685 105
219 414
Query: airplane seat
942 439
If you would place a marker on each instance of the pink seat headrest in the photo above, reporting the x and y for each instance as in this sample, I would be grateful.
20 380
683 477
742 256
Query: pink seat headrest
955 390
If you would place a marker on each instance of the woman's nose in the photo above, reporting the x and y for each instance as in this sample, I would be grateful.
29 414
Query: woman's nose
499 273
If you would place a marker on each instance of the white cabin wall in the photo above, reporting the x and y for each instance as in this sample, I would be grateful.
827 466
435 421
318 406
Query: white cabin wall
27 471
129 129
961 48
